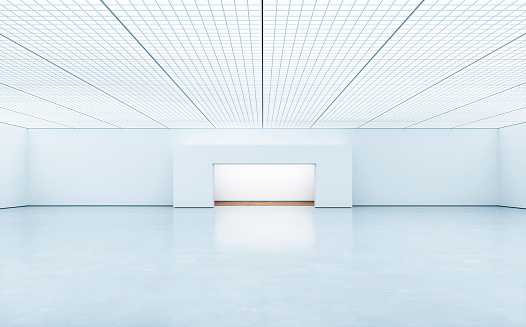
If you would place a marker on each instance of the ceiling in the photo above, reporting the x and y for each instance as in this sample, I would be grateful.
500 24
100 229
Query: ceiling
262 64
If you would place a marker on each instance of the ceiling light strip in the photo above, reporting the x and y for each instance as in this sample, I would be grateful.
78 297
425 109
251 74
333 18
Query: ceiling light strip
161 67
310 53
361 90
83 80
367 63
299 57
467 104
429 87
243 56
288 65
262 68
235 61
224 55
186 115
21 113
272 63
41 98
223 112
499 114
326 93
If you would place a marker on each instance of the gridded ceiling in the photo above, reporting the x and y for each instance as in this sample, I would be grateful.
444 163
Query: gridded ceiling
262 64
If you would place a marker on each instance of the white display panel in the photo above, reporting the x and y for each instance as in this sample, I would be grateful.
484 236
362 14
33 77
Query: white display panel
264 182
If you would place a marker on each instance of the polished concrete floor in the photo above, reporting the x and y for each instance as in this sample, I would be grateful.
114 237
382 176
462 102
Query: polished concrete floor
263 266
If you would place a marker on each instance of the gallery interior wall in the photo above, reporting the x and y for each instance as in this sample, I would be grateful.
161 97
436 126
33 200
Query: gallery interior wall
13 158
99 167
425 167
196 151
512 157
119 167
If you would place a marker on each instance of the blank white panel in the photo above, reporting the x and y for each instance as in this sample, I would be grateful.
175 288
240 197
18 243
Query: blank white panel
264 182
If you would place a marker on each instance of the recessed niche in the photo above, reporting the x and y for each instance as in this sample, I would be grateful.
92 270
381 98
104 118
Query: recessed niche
264 184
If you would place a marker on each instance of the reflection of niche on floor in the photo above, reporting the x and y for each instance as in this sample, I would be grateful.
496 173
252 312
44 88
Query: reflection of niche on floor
265 203
264 229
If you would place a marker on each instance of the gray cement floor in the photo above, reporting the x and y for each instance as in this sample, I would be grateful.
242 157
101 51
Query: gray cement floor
263 266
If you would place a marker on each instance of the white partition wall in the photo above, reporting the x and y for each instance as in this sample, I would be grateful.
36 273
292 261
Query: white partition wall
193 169
512 141
13 158
389 167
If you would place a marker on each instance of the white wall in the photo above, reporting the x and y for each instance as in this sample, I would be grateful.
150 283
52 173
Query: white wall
263 136
425 167
13 149
256 182
193 169
197 150
390 167
512 141
99 167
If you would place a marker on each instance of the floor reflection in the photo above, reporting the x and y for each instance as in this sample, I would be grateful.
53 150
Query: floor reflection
262 266
264 229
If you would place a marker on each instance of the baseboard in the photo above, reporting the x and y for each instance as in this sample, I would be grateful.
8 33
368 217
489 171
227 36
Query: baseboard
513 207
427 205
98 205
13 207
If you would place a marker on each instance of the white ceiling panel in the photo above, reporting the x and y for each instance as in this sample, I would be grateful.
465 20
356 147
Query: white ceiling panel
262 64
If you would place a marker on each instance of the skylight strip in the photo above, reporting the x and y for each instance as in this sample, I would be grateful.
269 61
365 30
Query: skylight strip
39 118
226 112
41 98
76 76
320 81
227 61
407 71
288 64
445 78
335 83
183 61
300 55
316 60
155 60
223 111
235 63
368 34
376 95
270 89
244 62
493 116
131 96
367 63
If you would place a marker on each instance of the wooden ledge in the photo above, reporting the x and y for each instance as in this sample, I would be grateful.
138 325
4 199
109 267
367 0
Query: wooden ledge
264 203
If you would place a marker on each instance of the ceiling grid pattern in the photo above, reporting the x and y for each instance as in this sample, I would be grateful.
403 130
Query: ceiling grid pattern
263 64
